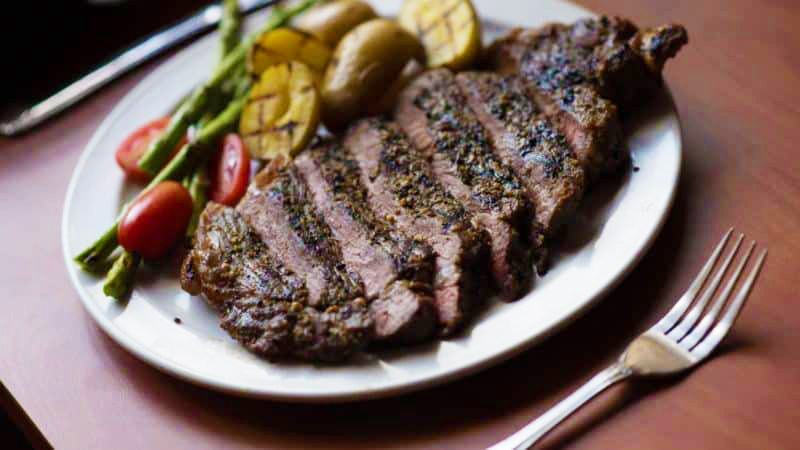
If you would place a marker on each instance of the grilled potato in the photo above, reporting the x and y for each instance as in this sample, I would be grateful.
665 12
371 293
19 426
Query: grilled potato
287 44
386 102
329 22
365 63
449 30
282 112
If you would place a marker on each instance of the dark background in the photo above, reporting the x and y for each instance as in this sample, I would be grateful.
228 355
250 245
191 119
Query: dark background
50 43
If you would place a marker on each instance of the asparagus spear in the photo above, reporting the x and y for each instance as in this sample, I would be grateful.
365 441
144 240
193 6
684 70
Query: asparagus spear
193 109
120 278
197 185
229 26
183 162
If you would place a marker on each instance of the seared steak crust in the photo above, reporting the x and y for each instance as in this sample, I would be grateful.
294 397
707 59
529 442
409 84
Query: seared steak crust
589 121
527 141
397 271
580 74
263 304
279 208
434 114
402 190
609 54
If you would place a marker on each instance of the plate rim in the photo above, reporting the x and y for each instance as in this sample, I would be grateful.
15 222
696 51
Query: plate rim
177 370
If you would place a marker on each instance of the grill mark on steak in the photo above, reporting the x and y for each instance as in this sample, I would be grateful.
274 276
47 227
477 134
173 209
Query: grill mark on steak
278 207
608 53
397 271
262 303
581 73
526 140
590 123
402 190
435 115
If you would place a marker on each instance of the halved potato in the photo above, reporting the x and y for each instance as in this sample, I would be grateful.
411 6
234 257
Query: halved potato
449 30
330 21
282 112
366 62
287 44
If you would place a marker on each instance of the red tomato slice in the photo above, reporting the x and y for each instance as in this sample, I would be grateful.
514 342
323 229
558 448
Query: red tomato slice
229 171
134 146
155 222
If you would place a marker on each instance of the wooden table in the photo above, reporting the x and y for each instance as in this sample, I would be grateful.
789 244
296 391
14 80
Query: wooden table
737 86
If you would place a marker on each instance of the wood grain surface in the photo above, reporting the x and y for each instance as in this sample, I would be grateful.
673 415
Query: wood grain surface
737 87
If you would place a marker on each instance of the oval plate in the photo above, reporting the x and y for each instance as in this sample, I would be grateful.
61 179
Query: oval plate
616 225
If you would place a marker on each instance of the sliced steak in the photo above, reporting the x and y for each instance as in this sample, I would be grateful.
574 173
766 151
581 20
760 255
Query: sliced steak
434 114
397 271
402 189
590 122
263 304
279 208
526 140
609 54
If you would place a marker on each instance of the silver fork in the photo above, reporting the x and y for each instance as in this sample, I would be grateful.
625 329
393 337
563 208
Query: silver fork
673 345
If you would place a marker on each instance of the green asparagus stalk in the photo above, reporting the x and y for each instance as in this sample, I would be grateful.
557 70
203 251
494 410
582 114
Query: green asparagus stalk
197 185
183 162
229 26
120 278
160 150
122 275
95 257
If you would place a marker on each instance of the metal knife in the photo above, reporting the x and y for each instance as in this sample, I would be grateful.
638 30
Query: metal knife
153 45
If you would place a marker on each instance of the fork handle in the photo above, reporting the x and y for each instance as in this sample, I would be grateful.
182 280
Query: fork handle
527 436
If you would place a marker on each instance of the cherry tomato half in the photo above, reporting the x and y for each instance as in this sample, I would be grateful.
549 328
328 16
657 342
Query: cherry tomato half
229 171
156 221
134 146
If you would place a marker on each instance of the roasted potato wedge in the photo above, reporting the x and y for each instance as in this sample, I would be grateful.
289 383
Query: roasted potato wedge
329 22
287 44
282 112
365 63
449 30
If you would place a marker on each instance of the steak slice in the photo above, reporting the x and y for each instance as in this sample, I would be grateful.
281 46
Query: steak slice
610 54
590 122
402 189
435 116
279 208
262 303
527 141
397 271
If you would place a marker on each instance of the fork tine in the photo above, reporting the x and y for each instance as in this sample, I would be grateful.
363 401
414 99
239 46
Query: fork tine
700 330
721 329
669 320
688 322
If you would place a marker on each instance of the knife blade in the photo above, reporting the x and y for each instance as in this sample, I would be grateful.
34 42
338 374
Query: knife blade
127 60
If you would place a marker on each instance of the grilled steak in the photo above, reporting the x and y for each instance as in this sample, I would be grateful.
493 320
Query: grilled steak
581 73
590 122
402 189
397 271
609 54
263 304
280 210
435 115
526 140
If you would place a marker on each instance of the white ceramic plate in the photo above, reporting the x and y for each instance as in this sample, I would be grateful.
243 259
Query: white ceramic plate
616 225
